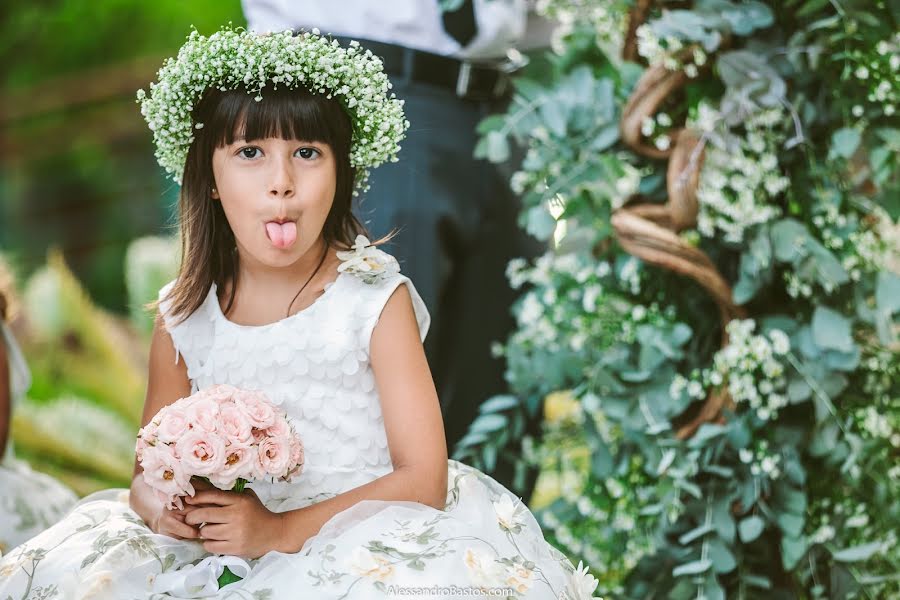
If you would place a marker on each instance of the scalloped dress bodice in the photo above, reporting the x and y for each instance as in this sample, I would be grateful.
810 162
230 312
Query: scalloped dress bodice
315 365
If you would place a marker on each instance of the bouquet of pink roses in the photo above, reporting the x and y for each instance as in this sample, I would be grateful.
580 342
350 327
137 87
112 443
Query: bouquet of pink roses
222 434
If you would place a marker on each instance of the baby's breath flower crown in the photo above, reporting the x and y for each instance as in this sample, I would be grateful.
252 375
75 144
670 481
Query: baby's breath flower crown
235 58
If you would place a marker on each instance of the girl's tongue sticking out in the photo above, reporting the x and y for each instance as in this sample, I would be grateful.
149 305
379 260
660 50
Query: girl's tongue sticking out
282 235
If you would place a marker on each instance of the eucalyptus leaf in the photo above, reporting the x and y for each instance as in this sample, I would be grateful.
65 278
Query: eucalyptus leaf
498 403
540 223
789 238
722 558
690 536
497 147
844 142
792 550
692 568
750 528
887 292
857 553
488 423
832 330
723 520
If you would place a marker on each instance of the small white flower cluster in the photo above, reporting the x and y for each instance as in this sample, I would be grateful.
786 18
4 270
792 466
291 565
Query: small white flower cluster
749 366
738 181
878 72
760 461
663 51
861 247
609 19
658 126
232 59
849 523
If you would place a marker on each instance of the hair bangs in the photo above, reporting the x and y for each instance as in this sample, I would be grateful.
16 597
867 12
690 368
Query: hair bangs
283 113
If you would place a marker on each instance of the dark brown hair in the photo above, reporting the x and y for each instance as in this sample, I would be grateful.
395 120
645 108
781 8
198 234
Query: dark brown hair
208 252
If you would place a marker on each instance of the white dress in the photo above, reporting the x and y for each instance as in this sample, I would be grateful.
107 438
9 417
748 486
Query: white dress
21 518
315 364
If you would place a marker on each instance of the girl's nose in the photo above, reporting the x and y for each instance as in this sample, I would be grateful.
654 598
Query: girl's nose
282 182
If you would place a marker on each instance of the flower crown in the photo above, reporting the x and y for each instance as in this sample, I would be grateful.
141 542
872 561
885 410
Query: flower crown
235 58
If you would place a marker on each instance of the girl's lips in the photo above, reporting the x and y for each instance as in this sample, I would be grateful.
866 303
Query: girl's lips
282 235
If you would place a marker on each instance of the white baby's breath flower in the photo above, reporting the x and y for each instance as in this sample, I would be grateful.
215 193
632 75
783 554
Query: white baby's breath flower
232 59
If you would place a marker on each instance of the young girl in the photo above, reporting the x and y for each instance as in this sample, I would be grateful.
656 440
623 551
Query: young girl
21 518
280 291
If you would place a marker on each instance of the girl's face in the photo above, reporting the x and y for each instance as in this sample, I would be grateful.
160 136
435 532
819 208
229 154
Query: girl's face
276 195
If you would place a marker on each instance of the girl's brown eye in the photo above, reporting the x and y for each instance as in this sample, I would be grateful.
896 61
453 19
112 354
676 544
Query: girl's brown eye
307 152
249 149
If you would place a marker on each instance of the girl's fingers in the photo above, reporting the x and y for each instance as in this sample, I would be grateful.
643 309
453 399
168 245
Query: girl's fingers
214 496
214 532
214 547
206 515
182 530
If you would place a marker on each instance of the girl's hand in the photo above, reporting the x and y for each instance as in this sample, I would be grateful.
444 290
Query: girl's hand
236 523
172 523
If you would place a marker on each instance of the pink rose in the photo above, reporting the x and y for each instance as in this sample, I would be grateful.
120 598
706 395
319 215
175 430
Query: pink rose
201 453
296 459
233 425
173 425
203 414
220 393
275 456
279 428
146 438
259 411
164 473
148 431
240 462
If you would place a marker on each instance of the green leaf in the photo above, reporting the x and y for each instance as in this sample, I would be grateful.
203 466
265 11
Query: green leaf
792 550
607 137
789 238
722 558
706 432
791 525
488 423
692 568
601 460
811 7
540 223
227 577
750 528
857 553
844 142
491 123
832 330
554 116
757 581
887 292
498 403
693 534
723 520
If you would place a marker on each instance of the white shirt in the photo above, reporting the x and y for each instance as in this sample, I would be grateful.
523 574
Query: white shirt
501 24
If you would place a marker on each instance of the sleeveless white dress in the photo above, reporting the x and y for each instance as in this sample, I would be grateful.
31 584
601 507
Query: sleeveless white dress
315 365
21 518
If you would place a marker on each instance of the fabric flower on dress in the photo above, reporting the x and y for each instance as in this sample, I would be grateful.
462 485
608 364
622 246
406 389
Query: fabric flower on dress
364 563
581 584
508 514
367 262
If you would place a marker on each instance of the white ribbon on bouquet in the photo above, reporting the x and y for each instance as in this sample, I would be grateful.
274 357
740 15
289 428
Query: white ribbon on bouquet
200 580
